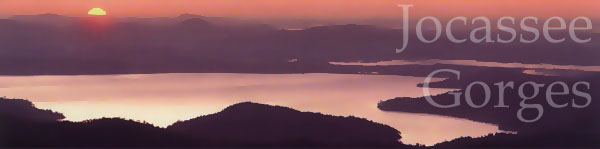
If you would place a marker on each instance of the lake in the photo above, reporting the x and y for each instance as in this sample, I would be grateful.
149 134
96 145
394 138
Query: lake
162 99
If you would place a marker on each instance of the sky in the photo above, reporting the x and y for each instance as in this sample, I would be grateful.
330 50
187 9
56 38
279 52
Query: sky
305 8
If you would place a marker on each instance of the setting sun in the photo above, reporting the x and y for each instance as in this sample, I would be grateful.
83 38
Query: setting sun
97 12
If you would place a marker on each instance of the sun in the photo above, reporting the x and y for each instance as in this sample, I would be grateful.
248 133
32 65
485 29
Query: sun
97 12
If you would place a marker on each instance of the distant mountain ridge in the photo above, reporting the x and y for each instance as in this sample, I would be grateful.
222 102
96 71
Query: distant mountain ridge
192 43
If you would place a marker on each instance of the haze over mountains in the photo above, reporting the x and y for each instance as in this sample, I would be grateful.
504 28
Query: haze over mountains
54 44
284 23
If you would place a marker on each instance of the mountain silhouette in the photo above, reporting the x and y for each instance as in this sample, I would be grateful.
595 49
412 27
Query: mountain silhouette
558 127
257 124
243 124
503 140
25 110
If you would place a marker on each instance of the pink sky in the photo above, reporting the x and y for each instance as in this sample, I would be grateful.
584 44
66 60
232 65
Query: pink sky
306 8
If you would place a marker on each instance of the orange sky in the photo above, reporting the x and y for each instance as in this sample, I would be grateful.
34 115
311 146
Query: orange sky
305 8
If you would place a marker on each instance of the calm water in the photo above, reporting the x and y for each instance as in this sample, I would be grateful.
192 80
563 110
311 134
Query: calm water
162 99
